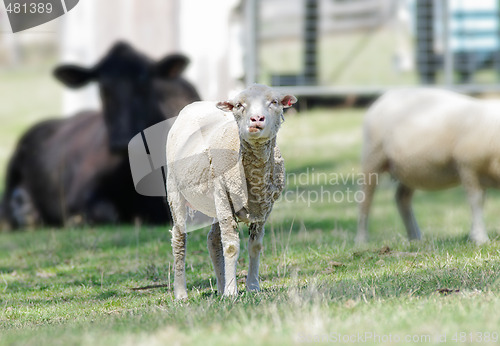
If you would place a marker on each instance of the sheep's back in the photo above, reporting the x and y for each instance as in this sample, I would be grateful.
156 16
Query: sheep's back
202 149
424 133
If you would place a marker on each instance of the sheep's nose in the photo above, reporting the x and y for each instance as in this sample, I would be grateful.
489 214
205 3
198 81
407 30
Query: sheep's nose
257 118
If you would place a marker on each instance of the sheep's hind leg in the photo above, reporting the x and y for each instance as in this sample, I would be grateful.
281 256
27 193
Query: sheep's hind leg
475 196
214 244
178 209
404 196
230 239
254 249
364 209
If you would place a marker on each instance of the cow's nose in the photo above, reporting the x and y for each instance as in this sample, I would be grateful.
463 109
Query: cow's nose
257 118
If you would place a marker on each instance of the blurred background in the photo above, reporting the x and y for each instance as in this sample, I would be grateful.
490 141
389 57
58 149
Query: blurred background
326 52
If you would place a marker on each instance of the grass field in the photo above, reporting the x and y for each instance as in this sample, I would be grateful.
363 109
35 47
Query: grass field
75 286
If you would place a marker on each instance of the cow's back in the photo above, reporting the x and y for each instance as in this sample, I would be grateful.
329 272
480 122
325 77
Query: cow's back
54 159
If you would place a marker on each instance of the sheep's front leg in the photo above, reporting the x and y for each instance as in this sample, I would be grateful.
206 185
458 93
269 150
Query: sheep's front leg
478 230
230 239
178 208
404 196
214 244
475 196
254 249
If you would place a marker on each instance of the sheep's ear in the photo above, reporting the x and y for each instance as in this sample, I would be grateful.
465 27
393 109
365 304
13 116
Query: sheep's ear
171 66
288 100
226 106
74 76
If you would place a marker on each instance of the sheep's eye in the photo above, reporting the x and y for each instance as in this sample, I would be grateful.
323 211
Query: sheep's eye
274 102
238 106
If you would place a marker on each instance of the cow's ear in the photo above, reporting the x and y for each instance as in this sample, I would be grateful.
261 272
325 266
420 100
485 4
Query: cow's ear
171 66
74 76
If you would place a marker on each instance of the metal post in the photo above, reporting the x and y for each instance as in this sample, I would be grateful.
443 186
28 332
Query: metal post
311 42
251 52
448 54
426 58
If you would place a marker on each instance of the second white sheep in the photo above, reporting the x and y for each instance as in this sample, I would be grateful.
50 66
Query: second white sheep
431 139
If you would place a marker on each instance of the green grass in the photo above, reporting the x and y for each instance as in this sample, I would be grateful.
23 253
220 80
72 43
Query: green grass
74 286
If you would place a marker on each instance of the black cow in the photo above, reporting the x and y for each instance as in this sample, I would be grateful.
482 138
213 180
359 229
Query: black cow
77 168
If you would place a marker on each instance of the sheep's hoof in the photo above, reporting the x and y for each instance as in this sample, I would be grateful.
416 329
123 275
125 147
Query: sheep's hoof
480 240
415 236
230 292
254 287
361 239
180 295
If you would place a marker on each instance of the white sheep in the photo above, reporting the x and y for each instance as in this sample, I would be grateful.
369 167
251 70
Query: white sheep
431 139
228 166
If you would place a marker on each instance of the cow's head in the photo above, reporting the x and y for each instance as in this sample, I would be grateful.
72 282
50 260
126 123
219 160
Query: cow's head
136 92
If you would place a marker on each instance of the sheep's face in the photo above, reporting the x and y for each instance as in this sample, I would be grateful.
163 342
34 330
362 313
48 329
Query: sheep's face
258 111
